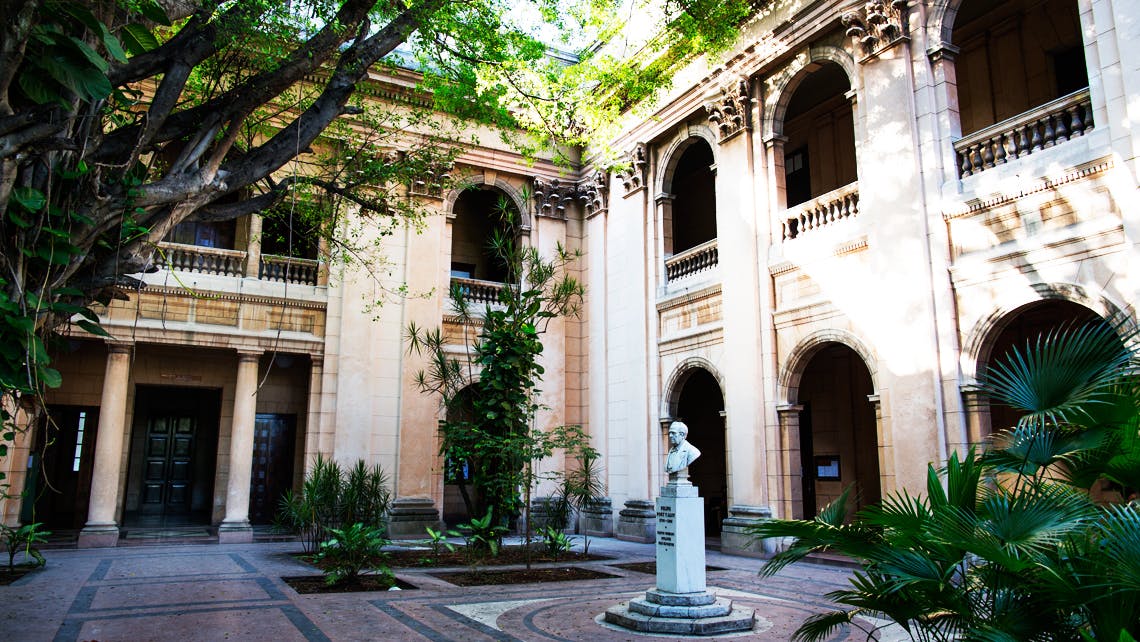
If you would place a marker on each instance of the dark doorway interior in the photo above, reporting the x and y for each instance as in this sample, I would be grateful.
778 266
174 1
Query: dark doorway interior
839 439
701 407
273 441
60 475
174 442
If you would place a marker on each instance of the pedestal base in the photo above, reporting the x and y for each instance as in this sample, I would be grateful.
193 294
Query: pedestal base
98 536
410 517
235 533
681 613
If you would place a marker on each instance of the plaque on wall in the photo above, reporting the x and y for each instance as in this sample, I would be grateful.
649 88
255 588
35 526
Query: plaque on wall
827 467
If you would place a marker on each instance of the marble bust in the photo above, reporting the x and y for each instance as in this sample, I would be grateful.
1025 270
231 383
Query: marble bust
681 452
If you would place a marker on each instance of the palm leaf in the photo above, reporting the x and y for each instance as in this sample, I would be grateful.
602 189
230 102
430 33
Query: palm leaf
1054 379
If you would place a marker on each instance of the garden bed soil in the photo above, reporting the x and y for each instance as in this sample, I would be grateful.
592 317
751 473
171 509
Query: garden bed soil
7 576
309 584
651 567
411 558
522 576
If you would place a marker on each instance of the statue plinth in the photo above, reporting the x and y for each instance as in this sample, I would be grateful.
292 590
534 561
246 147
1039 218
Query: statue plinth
680 603
680 538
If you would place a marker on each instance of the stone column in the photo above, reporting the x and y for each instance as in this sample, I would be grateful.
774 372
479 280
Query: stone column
887 473
102 529
978 423
791 470
253 248
313 412
235 527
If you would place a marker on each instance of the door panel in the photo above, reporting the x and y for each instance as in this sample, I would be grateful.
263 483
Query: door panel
272 471
167 474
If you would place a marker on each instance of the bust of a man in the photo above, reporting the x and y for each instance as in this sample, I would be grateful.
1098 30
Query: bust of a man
681 452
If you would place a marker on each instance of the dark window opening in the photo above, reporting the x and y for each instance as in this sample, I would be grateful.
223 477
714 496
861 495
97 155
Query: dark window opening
1069 70
288 234
797 176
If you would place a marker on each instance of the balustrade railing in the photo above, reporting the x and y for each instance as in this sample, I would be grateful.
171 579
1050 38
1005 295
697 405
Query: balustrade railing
834 206
691 261
1041 128
286 269
199 259
477 291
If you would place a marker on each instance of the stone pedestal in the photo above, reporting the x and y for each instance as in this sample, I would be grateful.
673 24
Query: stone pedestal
409 518
636 522
680 539
734 536
598 518
680 604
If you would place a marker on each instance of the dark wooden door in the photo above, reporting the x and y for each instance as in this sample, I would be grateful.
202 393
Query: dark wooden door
272 473
61 465
807 462
169 465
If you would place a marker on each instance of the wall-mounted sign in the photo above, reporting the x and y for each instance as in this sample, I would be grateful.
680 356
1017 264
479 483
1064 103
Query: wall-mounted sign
827 467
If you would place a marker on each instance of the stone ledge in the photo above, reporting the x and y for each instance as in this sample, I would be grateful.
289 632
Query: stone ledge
739 619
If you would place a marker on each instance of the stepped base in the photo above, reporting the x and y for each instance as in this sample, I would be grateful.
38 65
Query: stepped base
681 613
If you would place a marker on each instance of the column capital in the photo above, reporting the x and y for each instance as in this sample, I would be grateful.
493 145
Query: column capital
249 354
789 409
774 140
875 399
120 347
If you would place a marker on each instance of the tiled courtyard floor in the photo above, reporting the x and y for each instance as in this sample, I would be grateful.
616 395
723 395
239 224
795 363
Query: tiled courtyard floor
235 592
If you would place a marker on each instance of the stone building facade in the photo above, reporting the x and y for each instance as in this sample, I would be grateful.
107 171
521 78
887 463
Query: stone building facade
815 246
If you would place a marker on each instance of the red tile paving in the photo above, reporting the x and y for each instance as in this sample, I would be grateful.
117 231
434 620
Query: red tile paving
235 592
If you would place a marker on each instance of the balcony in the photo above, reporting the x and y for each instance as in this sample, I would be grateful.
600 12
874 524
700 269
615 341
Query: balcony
827 209
1041 128
692 261
477 291
199 259
285 269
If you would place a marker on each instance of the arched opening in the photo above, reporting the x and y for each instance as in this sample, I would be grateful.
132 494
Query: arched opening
694 199
479 213
457 474
1015 56
839 440
1023 326
819 155
700 405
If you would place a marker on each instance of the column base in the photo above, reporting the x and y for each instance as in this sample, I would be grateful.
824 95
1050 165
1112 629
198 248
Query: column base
597 519
409 518
637 522
235 533
98 536
735 538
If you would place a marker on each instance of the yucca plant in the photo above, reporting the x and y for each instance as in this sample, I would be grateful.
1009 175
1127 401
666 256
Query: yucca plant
1006 544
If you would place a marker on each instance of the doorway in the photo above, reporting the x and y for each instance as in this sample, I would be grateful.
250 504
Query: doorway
701 406
59 480
272 473
839 440
173 451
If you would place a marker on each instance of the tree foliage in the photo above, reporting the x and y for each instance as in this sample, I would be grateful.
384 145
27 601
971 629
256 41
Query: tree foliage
1008 544
122 119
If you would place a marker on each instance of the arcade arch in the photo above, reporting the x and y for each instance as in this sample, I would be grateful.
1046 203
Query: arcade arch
697 400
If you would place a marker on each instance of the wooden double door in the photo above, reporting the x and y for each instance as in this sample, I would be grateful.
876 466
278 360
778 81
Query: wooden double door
174 448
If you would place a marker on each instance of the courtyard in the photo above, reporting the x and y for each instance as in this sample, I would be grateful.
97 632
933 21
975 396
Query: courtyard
236 592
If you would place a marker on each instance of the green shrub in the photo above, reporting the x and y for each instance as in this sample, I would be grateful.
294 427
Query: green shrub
482 538
350 551
23 538
556 542
332 498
